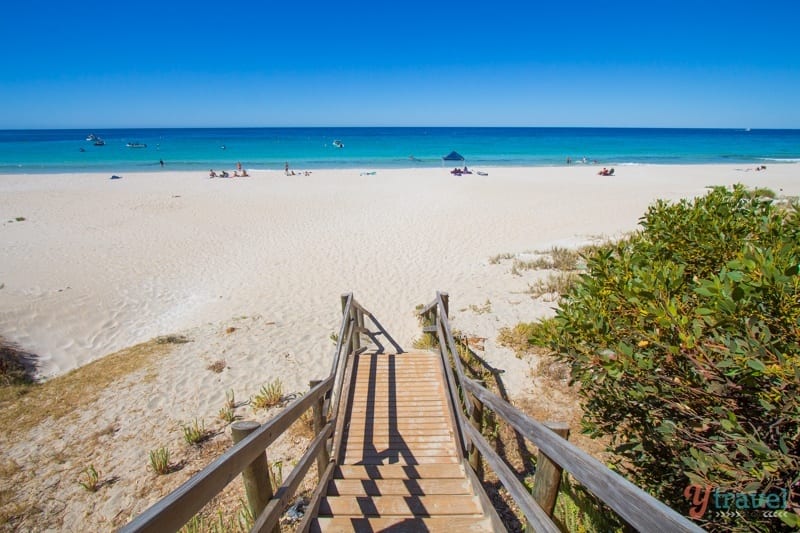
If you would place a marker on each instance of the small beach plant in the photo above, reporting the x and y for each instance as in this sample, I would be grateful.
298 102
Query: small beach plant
194 433
226 414
270 395
159 461
230 399
89 479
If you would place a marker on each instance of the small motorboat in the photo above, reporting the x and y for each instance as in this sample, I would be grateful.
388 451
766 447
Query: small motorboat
338 144
136 145
91 137
99 142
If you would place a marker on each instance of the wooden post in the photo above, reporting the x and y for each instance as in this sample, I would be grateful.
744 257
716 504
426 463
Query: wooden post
256 475
446 302
358 319
547 479
319 422
476 420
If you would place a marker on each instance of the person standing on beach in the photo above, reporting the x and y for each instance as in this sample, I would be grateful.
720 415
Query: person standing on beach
161 161
286 168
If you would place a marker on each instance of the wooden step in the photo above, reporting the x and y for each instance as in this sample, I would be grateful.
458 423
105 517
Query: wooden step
461 524
398 487
398 459
364 445
385 440
395 434
416 506
437 471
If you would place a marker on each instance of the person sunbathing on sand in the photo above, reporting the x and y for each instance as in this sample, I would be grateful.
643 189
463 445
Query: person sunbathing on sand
212 174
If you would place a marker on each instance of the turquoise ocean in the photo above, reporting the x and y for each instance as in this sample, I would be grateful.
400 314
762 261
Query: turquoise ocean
48 151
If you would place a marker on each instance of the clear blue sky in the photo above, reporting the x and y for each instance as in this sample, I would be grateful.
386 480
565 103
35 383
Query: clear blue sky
140 63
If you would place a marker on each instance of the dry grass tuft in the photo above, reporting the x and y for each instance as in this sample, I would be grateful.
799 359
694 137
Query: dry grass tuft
303 427
172 339
270 395
217 366
63 395
230 330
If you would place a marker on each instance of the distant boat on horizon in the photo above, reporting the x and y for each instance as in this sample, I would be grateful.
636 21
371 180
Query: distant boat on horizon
136 145
99 142
91 137
338 144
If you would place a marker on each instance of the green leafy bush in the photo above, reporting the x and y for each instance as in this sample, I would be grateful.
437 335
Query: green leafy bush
685 339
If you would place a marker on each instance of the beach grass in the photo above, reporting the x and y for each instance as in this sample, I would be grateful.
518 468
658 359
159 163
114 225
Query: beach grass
25 404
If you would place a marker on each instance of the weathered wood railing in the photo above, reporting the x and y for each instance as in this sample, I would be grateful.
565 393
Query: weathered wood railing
247 455
469 398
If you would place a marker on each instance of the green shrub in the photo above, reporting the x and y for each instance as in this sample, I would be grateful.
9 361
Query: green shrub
685 339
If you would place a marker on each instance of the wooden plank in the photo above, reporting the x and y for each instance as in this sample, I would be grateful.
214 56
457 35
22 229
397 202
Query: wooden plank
407 421
399 471
405 434
433 406
398 427
462 524
397 487
395 445
435 505
401 460
387 418
374 408
419 452
399 445
408 439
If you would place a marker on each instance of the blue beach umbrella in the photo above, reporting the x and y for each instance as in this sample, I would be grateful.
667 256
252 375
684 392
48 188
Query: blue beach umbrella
453 156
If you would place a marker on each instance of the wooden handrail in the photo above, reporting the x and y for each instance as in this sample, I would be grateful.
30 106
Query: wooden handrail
634 505
173 511
178 507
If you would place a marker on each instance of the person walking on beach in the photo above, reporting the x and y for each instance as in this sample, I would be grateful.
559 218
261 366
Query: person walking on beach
286 168
161 161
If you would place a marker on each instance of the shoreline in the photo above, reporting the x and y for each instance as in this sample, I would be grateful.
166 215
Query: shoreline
202 168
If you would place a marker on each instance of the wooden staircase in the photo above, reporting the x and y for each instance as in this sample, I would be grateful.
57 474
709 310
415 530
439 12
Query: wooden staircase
399 464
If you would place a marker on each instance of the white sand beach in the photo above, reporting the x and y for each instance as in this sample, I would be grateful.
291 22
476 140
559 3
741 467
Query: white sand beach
98 265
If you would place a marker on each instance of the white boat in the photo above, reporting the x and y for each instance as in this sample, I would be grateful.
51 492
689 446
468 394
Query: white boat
99 142
91 137
136 145
338 144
